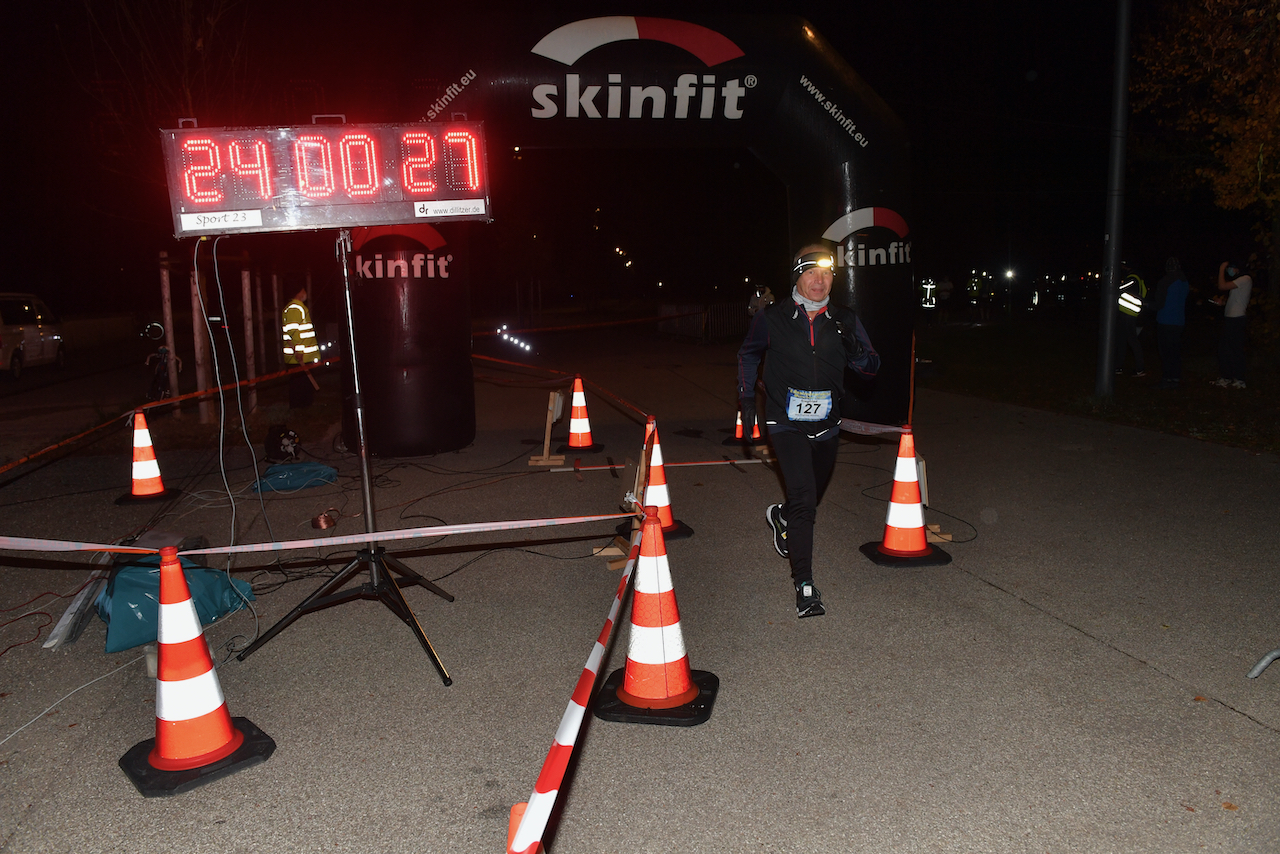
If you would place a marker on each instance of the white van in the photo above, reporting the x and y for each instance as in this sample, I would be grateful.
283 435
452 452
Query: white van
29 334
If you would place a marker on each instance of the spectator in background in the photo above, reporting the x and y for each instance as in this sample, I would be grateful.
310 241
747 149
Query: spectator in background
1170 304
1236 286
1129 305
762 297
945 289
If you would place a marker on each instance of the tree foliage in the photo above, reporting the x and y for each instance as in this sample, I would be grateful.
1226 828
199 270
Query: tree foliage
1210 69
176 58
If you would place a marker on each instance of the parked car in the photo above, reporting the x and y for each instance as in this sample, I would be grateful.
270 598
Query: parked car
29 334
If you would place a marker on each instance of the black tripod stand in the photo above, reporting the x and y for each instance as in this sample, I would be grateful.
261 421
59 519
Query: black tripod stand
381 584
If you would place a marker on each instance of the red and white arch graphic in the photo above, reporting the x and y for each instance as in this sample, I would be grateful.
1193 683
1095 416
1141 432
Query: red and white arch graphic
571 42
419 231
862 219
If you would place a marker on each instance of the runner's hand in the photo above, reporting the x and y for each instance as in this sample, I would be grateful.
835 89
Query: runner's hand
747 408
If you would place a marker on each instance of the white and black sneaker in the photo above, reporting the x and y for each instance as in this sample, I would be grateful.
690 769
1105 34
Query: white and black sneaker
808 600
773 515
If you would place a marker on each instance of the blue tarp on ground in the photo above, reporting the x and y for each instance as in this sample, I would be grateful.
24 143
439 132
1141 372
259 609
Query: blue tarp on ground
290 477
129 604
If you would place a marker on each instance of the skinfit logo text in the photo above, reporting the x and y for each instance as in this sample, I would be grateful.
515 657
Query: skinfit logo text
697 95
376 268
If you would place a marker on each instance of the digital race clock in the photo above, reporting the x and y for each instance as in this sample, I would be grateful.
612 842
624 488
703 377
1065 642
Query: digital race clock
234 181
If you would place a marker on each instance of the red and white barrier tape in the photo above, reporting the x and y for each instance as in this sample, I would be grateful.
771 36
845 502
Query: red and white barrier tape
616 467
28 544
533 823
209 392
407 534
866 428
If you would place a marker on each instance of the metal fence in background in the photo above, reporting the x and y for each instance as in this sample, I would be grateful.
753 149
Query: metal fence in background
705 323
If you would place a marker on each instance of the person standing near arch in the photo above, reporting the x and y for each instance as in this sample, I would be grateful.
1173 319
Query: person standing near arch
300 348
805 344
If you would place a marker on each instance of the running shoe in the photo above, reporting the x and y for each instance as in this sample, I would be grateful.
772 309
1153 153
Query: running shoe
808 600
773 515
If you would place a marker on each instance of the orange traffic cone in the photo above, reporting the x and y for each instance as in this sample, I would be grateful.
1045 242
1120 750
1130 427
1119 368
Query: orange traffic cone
513 824
196 739
579 423
905 541
657 686
655 490
147 485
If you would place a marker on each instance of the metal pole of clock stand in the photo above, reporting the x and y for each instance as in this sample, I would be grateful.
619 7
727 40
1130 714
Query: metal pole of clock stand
382 584
362 441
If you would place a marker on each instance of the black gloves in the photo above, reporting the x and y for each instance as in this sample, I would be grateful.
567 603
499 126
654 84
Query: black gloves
747 409
853 348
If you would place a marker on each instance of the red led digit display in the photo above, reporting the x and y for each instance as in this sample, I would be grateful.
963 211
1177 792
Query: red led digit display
252 168
464 144
313 163
419 161
202 165
359 165
324 176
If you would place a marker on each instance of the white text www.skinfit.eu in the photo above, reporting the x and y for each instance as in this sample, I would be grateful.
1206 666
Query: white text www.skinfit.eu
454 90
836 113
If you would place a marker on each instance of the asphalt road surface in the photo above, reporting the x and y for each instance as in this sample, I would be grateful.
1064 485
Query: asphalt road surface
50 404
1073 681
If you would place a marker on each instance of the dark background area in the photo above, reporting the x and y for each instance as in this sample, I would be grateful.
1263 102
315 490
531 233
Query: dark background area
1007 105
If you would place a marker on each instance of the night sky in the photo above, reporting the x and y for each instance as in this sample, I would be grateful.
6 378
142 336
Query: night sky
1007 104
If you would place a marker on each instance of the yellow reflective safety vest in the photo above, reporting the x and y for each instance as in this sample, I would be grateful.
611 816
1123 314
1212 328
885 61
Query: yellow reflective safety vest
299 340
1132 292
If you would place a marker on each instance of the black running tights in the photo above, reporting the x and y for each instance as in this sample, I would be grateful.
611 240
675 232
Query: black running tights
806 465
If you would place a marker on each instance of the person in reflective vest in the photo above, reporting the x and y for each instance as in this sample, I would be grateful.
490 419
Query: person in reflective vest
1133 291
300 348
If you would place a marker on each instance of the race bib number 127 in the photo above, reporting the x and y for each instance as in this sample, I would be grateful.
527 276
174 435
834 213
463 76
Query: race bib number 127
808 405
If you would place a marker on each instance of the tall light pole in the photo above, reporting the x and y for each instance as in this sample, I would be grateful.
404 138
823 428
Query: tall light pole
1115 206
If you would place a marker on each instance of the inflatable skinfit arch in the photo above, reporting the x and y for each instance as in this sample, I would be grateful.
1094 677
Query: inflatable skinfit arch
770 84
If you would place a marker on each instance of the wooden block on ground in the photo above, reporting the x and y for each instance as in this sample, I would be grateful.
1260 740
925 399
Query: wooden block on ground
611 550
546 460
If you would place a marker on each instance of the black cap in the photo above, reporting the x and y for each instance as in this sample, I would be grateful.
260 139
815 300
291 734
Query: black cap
809 260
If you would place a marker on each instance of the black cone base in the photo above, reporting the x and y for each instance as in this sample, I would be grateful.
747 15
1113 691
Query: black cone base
608 707
679 531
936 557
593 449
130 498
152 782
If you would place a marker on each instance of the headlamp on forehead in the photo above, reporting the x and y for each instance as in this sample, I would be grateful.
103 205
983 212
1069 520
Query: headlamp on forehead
822 260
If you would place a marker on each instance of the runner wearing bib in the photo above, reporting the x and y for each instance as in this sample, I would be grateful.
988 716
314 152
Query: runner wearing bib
805 343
